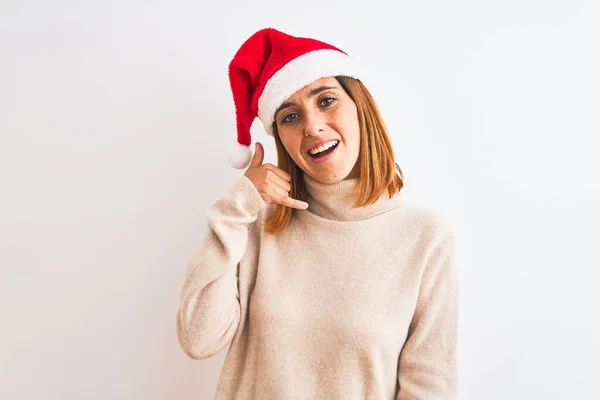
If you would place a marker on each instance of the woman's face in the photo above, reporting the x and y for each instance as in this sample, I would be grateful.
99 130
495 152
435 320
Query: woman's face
318 127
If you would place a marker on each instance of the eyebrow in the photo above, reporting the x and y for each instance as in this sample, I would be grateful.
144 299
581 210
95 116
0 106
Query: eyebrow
312 93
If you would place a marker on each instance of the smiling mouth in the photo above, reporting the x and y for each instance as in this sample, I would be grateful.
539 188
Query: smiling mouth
324 152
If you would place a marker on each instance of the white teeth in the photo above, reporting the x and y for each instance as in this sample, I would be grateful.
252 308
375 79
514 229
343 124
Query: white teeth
323 147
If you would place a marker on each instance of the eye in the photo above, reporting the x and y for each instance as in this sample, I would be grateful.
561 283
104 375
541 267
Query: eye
326 100
286 119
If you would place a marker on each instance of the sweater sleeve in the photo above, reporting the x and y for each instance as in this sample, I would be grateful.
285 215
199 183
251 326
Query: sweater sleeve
427 368
209 310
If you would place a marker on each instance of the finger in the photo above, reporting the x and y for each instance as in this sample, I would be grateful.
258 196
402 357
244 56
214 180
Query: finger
282 197
293 203
277 180
259 155
284 175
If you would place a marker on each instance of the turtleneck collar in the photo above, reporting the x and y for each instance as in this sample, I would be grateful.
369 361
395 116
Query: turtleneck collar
335 201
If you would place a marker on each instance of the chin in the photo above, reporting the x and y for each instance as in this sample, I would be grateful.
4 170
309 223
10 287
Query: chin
329 172
334 176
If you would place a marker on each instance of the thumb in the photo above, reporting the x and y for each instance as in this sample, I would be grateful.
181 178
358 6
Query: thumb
259 156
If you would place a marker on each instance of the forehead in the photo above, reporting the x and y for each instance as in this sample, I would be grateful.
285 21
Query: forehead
302 93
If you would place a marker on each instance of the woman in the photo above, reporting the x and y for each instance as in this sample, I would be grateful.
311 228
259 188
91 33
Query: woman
322 280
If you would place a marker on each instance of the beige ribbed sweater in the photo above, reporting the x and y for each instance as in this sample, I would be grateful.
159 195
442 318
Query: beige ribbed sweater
346 303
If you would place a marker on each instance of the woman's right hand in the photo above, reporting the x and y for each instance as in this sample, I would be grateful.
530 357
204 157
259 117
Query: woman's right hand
272 183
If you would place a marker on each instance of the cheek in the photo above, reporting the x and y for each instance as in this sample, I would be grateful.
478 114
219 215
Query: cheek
354 145
352 128
293 147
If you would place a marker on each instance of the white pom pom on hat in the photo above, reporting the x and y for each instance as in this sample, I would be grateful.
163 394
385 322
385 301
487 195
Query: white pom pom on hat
240 156
270 67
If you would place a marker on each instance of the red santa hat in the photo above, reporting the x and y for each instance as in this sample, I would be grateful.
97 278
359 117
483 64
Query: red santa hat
268 68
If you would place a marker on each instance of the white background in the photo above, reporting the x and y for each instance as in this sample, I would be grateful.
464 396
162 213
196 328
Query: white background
115 121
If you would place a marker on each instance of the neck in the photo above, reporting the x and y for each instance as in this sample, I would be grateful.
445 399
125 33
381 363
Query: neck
335 201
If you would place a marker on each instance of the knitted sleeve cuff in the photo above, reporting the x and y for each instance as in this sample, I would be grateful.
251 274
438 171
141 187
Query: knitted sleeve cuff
248 195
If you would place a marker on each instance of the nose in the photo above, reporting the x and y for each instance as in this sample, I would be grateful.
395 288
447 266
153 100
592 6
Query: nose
314 123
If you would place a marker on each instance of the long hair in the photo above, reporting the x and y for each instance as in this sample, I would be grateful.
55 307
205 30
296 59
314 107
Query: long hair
376 157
